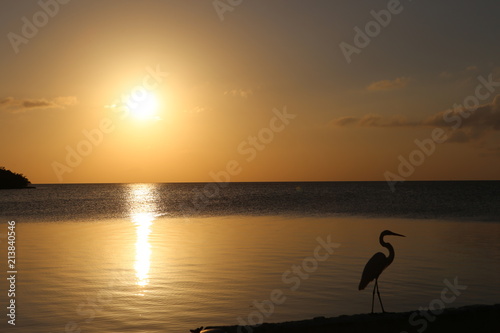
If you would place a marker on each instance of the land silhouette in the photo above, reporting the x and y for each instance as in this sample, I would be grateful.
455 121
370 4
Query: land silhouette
9 179
466 319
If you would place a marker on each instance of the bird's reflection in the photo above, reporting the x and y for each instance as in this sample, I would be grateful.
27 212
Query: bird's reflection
142 203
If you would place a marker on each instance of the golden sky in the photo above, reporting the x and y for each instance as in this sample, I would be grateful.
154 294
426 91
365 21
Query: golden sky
167 91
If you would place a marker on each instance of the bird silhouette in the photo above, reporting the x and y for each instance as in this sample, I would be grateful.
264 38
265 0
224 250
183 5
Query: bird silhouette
376 265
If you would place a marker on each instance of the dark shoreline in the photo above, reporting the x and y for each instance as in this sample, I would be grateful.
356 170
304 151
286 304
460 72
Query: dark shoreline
472 318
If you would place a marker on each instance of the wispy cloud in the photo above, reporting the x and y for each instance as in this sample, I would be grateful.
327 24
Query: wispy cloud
243 93
14 105
462 125
374 120
460 74
386 85
198 109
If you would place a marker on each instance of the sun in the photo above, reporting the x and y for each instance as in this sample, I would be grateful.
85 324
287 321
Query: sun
144 108
139 107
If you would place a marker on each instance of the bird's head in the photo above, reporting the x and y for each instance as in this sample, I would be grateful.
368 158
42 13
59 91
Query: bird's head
390 233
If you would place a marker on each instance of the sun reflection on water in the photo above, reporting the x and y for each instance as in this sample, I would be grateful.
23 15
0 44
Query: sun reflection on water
143 221
142 203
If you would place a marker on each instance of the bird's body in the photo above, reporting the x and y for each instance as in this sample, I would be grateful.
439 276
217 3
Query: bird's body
376 265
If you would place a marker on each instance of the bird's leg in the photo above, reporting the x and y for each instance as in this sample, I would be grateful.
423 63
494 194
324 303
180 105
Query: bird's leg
380 300
373 294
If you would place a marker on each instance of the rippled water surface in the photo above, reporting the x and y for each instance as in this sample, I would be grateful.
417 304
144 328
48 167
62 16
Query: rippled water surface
147 271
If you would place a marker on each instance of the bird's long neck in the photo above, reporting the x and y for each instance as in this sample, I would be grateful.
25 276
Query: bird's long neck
390 258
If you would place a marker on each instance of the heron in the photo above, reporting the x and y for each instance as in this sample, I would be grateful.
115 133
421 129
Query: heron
376 265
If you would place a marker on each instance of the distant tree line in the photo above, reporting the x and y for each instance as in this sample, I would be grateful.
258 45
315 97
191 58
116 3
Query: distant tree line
9 179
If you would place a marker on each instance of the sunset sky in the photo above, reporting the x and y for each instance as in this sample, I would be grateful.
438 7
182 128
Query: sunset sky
268 90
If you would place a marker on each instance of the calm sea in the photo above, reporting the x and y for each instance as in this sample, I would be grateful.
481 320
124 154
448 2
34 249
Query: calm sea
172 257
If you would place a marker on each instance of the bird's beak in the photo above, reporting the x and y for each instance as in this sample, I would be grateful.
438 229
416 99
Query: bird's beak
395 234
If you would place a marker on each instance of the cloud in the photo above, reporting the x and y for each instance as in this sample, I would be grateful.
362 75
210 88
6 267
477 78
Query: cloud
386 85
464 125
21 105
345 121
461 124
239 92
460 75
373 120
6 101
198 109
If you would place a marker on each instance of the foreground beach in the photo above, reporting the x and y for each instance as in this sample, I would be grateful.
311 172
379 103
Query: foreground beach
474 318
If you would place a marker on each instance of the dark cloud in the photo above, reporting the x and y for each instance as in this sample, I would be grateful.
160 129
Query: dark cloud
345 121
37 104
385 85
6 101
373 120
466 125
20 105
461 124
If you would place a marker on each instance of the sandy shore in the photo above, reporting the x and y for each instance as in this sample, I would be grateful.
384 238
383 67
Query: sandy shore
474 318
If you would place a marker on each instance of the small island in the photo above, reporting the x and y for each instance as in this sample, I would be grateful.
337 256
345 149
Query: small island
12 180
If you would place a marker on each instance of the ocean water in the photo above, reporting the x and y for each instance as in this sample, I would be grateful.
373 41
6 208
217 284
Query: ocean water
173 257
470 200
